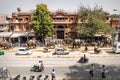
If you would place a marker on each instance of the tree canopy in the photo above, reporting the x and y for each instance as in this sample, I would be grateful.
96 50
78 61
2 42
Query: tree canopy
92 21
41 21
115 16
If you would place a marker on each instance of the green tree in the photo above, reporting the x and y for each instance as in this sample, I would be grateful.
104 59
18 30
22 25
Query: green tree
92 22
41 21
115 16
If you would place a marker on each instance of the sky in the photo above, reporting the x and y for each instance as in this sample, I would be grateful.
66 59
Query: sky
10 6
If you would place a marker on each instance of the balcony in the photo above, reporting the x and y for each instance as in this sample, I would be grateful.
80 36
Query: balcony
62 29
64 22
3 28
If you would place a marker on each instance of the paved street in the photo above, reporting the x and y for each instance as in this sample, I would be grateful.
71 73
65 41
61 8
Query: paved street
66 66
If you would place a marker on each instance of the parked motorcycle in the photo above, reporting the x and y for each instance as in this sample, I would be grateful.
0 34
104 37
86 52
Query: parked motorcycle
31 77
17 77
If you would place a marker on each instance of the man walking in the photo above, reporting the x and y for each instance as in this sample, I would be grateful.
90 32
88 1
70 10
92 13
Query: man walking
103 71
53 75
91 72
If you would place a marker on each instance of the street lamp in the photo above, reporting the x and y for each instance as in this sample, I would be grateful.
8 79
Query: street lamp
117 35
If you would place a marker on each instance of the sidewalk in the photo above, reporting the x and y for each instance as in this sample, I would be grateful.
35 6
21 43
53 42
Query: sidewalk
67 47
74 53
41 49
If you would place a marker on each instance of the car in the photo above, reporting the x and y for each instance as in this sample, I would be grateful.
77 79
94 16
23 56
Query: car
116 48
1 52
24 51
61 51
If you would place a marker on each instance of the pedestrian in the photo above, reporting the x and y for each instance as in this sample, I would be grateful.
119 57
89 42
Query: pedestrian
46 77
91 72
103 71
53 75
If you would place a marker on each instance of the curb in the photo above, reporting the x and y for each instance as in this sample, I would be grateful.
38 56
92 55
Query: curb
68 56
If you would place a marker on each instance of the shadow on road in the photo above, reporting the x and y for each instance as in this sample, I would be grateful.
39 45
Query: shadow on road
81 72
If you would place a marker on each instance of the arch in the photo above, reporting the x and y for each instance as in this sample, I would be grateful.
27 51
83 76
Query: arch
60 27
60 32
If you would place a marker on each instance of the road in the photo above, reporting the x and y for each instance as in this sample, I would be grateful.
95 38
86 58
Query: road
65 67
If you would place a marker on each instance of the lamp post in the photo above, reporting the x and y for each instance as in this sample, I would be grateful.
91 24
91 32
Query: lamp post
116 39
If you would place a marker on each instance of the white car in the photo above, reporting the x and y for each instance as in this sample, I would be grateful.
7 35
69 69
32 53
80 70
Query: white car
61 51
24 51
116 48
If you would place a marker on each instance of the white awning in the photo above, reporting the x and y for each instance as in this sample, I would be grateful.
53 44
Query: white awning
5 34
31 34
16 35
98 35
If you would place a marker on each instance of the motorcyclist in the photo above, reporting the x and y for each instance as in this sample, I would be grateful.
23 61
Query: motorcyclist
86 48
42 65
39 65
36 67
3 69
96 50
83 59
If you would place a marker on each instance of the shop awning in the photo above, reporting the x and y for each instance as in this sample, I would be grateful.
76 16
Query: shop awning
98 35
20 34
5 34
31 34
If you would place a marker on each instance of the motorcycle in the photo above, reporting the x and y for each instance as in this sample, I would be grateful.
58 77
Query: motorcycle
97 50
31 77
17 77
36 68
4 72
83 60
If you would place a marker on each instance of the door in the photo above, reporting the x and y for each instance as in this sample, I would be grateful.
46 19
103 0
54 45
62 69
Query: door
60 34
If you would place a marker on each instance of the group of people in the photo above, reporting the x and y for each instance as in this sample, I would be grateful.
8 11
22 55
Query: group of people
53 76
92 71
41 67
39 77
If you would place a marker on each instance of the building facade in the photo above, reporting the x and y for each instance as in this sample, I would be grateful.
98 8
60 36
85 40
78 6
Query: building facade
17 27
64 24
21 21
4 22
115 24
